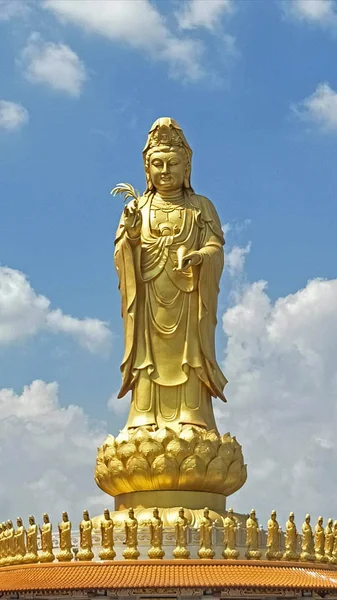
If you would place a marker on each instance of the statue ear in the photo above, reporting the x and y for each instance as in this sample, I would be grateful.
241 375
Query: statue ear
187 184
150 185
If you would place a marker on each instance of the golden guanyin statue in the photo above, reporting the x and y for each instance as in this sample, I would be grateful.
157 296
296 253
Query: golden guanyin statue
329 541
308 547
65 554
107 537
169 259
181 534
273 538
252 536
206 534
320 541
19 541
46 540
85 552
291 538
156 536
230 529
31 542
2 546
131 536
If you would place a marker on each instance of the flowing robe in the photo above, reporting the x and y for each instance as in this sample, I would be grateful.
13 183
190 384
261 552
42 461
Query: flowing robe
170 315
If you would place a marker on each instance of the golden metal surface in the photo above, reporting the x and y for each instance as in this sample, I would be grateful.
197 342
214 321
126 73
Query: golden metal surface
169 260
181 533
206 534
64 528
156 536
230 529
131 551
308 547
46 541
329 541
85 552
252 537
273 538
107 537
196 459
31 542
291 537
320 541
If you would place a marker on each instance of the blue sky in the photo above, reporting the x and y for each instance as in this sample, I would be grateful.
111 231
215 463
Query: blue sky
254 86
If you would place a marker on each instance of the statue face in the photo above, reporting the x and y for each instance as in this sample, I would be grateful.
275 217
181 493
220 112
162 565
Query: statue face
107 514
65 516
167 170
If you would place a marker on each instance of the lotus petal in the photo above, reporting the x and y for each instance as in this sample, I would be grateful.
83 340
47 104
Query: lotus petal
178 449
207 450
150 449
125 450
165 435
165 473
192 473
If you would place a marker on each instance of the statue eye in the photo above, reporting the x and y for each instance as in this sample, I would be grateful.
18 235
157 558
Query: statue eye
157 163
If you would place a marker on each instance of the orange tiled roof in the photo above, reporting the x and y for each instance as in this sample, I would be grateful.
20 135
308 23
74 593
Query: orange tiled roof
120 575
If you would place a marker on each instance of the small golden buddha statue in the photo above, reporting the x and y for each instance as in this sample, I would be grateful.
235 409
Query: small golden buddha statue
329 541
19 541
2 554
156 536
46 555
319 541
308 548
10 543
181 531
230 529
31 542
334 550
291 537
131 537
4 543
85 552
252 536
206 530
273 538
107 537
64 528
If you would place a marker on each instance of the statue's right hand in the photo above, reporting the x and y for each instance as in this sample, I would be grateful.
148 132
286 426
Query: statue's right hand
132 219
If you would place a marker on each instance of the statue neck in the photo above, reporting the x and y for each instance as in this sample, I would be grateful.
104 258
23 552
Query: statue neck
172 196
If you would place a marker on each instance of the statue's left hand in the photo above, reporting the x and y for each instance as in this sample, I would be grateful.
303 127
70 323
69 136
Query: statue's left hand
192 259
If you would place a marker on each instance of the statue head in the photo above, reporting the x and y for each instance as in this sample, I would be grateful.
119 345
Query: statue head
230 513
9 524
273 515
330 522
307 518
252 513
86 515
31 520
65 516
181 512
335 525
320 521
206 511
131 513
156 512
291 517
45 518
167 157
107 514
19 522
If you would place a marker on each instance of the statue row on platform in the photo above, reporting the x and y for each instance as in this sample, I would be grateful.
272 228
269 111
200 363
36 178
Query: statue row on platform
21 546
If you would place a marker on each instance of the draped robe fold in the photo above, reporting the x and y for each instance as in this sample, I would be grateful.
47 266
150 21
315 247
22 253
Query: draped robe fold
170 317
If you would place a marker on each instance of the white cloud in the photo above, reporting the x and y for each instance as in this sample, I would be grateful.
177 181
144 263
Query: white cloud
136 23
321 12
12 115
119 406
319 109
236 258
282 391
10 9
47 455
200 13
55 65
24 313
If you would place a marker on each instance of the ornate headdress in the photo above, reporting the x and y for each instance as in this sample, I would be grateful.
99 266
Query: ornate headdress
165 132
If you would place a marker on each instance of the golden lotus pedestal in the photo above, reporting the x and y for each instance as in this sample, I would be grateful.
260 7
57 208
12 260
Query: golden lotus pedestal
192 469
